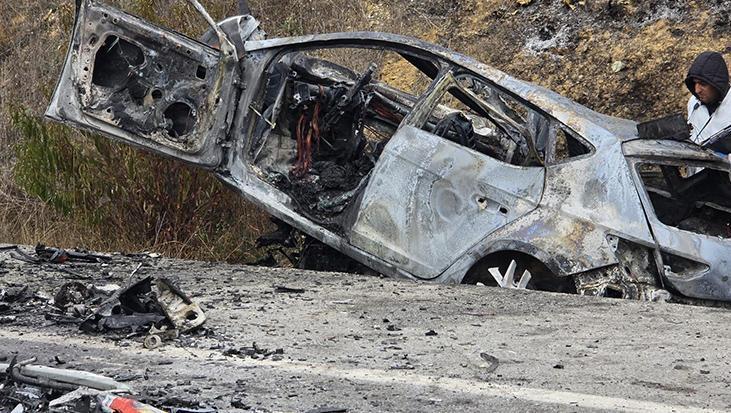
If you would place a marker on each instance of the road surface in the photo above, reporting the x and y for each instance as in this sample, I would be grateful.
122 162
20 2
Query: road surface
369 344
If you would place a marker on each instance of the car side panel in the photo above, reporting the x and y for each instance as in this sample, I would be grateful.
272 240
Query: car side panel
599 189
430 200
585 200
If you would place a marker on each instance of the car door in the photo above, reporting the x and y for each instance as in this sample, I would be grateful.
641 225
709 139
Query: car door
146 86
430 199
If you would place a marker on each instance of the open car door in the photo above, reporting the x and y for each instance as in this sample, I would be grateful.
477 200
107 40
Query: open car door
146 86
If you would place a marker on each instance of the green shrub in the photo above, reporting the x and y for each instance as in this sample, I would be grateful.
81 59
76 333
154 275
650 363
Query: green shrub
142 200
47 163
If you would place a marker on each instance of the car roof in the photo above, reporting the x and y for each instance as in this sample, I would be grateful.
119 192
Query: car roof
597 128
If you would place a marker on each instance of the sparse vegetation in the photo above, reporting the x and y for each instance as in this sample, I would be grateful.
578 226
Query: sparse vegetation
67 188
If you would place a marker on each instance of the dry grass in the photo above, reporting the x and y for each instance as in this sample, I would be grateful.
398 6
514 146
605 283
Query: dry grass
62 187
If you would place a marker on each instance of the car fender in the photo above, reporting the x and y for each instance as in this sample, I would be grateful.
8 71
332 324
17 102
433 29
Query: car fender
566 245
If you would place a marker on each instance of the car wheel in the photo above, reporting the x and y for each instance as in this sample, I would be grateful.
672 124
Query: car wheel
507 279
508 269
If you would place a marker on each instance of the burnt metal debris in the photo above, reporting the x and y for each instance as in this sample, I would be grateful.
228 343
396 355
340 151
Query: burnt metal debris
54 255
465 175
28 387
154 305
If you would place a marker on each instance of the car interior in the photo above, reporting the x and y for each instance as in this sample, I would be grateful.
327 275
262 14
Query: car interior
698 202
322 124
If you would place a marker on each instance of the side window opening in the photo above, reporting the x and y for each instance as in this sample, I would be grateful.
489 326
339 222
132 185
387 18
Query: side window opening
325 116
568 146
700 203
454 120
547 139
475 115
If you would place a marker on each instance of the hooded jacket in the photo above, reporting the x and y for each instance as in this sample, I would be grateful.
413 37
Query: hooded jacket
710 68
706 121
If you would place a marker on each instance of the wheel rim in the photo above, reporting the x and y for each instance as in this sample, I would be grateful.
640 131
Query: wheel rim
507 280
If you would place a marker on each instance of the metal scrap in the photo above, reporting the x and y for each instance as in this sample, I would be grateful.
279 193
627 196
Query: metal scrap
182 312
150 304
494 362
62 379
55 255
39 388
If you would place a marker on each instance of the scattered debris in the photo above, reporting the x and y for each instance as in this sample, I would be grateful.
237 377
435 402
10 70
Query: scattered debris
88 400
15 293
109 402
59 256
159 308
405 366
255 352
182 312
55 255
14 300
430 333
158 335
190 410
72 293
288 290
63 379
327 410
36 388
79 399
494 362
131 308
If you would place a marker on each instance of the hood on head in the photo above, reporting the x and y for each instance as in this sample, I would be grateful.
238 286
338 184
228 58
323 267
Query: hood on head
710 68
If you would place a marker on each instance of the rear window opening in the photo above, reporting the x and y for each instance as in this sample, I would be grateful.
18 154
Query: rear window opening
568 146
324 119
699 203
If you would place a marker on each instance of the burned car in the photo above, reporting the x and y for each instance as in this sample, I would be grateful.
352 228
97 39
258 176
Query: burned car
412 159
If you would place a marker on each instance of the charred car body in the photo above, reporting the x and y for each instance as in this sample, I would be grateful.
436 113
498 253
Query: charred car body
462 174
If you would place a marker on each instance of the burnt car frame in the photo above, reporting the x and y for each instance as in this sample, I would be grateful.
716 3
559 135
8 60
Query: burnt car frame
477 177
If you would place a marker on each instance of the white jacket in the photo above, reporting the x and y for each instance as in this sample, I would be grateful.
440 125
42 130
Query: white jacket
703 125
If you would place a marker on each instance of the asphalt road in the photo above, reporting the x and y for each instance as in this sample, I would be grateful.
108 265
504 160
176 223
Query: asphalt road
369 344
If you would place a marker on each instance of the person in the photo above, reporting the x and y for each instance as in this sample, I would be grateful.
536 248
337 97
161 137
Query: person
709 109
